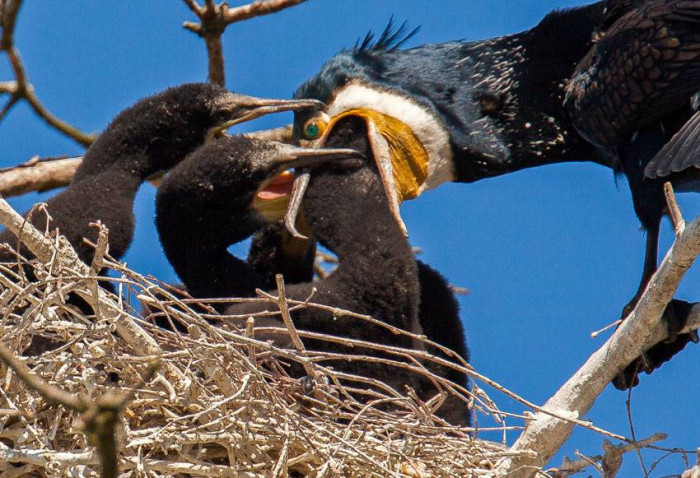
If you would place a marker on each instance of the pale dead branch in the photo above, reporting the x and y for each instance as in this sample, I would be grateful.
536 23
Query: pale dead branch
21 89
38 175
642 329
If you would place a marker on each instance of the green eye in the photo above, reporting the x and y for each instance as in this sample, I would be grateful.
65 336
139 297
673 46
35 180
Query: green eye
313 128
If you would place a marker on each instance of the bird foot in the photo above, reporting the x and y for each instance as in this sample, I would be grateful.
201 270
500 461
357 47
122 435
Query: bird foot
675 316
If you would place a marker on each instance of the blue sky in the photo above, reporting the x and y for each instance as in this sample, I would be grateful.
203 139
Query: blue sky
549 254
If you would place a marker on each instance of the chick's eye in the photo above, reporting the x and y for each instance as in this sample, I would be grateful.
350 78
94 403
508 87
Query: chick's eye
313 128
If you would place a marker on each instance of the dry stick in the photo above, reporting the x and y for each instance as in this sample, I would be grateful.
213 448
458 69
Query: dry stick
52 394
642 329
257 9
67 259
22 88
38 175
100 417
68 459
571 467
214 18
287 318
673 210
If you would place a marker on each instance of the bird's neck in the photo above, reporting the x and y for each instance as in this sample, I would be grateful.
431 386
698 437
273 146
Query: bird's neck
528 72
356 224
198 216
209 270
117 152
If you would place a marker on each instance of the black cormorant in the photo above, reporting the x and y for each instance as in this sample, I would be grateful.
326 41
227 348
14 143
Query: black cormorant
438 315
220 195
153 135
628 96
212 193
468 111
456 111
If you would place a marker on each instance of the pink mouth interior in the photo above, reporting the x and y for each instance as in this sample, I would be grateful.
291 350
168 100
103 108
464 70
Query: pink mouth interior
278 187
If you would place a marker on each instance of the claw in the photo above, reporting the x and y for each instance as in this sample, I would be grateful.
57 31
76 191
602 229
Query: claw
629 377
647 364
301 182
694 337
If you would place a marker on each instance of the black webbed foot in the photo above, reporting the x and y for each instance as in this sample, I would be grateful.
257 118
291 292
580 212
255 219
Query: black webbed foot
676 317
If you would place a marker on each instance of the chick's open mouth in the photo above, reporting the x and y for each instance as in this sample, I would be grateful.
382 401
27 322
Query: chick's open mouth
278 187
272 200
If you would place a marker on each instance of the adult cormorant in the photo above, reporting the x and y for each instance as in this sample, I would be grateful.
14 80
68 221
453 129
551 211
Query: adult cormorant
467 111
217 192
628 96
153 135
456 111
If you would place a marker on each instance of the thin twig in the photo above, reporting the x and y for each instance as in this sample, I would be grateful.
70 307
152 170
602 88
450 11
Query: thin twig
630 420
214 18
674 210
22 89
52 394
287 318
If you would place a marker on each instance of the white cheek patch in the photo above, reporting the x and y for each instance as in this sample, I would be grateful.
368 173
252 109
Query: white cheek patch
422 122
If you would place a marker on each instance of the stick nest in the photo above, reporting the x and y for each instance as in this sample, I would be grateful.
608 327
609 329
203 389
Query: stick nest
221 403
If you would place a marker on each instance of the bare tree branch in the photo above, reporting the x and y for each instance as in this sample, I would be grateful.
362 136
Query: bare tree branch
38 175
22 89
258 8
214 18
642 329
612 452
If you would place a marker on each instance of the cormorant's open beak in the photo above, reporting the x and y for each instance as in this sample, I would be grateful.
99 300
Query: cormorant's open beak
246 108
401 158
289 186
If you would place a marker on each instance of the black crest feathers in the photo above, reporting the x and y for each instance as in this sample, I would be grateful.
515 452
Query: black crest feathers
392 38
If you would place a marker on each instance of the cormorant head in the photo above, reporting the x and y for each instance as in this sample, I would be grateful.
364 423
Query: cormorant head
407 140
246 179
165 127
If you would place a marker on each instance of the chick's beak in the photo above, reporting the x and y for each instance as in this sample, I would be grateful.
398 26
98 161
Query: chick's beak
246 108
294 157
301 159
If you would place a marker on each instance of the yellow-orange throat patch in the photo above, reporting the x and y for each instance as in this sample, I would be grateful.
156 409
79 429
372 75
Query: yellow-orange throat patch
409 159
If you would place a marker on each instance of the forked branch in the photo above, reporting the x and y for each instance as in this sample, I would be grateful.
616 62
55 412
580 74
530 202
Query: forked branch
215 17
644 328
21 89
